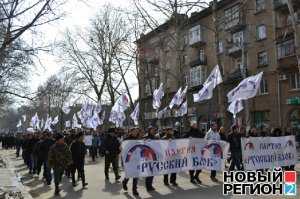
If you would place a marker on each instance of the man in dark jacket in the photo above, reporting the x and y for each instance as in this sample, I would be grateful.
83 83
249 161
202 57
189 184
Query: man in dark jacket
169 135
152 135
78 150
111 146
195 133
133 135
59 159
234 139
44 147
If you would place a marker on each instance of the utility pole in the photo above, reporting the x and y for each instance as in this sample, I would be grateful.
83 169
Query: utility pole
296 33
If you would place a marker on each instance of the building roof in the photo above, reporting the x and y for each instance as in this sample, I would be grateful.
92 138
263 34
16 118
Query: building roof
195 16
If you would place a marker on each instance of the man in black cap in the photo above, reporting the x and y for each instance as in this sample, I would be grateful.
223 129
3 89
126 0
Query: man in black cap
111 146
78 150
59 159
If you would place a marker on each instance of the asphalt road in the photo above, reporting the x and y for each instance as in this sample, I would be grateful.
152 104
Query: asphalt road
99 188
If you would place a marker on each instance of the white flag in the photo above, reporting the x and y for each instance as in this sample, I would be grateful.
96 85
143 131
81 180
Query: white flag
55 121
162 112
157 96
98 108
117 118
48 123
215 77
117 115
66 109
35 121
68 124
176 99
95 121
135 114
102 119
209 85
24 118
19 124
42 123
235 107
205 93
75 122
183 110
246 89
183 95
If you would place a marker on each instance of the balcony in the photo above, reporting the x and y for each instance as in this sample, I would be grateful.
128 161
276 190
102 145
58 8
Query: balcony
235 50
281 5
196 36
284 32
236 23
286 55
199 61
234 76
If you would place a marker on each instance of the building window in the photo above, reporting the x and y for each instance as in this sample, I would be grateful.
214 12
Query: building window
263 87
202 55
232 16
262 58
295 119
238 38
285 49
220 47
260 5
197 76
195 35
294 81
261 118
261 32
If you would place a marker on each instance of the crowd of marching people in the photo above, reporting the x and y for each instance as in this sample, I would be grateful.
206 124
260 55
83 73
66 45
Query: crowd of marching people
62 154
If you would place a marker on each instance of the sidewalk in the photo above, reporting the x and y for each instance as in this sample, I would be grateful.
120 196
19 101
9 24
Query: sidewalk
10 185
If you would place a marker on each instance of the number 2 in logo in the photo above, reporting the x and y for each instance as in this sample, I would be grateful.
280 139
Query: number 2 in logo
290 189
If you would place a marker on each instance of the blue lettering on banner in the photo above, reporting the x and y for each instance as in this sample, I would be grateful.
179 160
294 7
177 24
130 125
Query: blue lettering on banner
159 166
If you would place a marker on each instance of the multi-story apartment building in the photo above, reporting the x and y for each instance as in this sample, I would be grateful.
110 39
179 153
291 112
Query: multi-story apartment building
253 36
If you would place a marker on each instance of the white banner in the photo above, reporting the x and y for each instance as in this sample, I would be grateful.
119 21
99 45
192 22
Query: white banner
268 152
144 158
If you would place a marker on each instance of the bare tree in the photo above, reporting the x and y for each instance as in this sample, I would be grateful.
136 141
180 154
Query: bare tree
98 57
18 17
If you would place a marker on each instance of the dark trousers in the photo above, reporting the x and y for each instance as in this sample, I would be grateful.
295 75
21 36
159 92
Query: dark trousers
46 169
149 182
18 151
134 183
235 161
172 178
194 174
58 172
213 174
80 170
114 160
93 152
